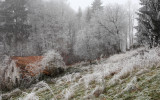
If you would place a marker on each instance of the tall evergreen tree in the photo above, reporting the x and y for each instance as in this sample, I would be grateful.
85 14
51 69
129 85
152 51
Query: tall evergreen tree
88 15
149 22
96 6
79 14
13 15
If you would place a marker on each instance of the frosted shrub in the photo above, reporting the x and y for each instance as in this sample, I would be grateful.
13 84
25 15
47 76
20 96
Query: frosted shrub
53 62
12 72
9 74
3 64
53 58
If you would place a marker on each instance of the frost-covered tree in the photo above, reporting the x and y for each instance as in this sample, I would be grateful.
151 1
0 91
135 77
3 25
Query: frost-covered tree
131 15
85 35
54 27
96 6
86 46
14 25
79 14
88 14
105 34
115 25
148 22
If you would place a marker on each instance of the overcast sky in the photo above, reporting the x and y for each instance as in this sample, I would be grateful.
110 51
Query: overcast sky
75 4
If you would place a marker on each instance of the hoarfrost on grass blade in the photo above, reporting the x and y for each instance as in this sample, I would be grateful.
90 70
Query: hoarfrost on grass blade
30 96
68 94
39 87
0 96
98 91
131 85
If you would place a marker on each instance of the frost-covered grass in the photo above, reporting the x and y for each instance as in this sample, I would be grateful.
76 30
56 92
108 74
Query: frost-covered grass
133 75
0 97
9 74
30 96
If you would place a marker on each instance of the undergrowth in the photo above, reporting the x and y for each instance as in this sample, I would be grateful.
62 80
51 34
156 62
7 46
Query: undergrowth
129 76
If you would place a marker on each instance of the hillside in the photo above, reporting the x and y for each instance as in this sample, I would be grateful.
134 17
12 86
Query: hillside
134 75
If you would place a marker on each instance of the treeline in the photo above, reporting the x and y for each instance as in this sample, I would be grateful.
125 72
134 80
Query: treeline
32 27
149 22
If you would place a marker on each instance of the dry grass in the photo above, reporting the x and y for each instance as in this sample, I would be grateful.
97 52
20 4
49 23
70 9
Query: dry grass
115 76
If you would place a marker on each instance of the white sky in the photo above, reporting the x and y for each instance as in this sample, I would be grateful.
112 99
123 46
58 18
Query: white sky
75 4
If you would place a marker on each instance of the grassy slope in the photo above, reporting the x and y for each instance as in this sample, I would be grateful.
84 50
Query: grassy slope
145 87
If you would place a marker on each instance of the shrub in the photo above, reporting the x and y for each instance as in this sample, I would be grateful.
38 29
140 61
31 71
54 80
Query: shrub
53 63
23 71
10 76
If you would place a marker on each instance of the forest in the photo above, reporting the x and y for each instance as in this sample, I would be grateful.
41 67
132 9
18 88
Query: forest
105 51
31 28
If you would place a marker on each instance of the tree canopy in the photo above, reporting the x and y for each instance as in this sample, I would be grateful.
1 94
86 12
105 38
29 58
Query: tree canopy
13 14
149 22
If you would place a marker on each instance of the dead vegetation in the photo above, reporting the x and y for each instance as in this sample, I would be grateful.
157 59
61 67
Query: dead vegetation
24 71
118 78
